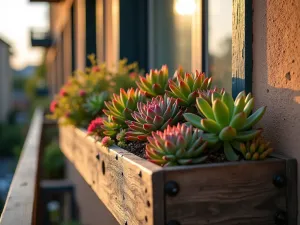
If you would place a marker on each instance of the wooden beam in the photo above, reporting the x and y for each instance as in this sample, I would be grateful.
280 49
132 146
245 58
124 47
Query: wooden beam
20 204
241 46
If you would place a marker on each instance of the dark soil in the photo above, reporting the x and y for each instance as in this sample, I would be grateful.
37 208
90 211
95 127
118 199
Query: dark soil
216 157
137 148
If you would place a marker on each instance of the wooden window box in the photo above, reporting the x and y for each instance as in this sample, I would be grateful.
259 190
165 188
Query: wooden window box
139 192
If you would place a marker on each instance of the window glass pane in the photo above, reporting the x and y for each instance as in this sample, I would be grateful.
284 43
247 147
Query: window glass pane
220 42
170 33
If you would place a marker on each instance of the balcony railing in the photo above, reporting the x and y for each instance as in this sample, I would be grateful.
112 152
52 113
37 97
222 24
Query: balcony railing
41 39
21 202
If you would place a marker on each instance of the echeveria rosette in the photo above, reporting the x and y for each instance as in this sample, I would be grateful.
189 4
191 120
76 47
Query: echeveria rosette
110 128
154 115
177 145
186 87
155 83
119 109
228 120
95 103
210 94
256 149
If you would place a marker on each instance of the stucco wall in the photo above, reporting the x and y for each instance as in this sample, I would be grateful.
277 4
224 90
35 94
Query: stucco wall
276 72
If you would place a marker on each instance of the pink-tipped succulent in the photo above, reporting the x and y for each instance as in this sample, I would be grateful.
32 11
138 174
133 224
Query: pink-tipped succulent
211 94
107 141
155 83
177 145
53 106
95 127
154 115
120 108
186 87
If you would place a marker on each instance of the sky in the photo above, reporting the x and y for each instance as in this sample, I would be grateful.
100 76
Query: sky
17 17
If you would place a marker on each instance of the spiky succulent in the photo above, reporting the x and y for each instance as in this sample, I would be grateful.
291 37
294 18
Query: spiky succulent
155 82
256 149
95 103
186 87
119 109
177 145
210 94
227 119
121 106
154 115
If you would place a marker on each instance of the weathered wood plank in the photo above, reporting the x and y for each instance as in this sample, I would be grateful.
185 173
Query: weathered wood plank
241 46
291 190
123 182
226 194
20 203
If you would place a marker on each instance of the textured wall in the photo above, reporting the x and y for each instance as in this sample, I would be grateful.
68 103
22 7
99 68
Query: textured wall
276 71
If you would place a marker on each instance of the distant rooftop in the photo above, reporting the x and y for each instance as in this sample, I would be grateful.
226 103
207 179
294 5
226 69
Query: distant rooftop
4 42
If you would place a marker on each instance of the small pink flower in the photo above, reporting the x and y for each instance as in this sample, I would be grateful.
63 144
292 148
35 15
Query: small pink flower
95 126
95 69
106 141
82 93
63 93
53 106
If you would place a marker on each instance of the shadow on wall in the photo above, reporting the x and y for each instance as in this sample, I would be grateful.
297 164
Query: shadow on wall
276 71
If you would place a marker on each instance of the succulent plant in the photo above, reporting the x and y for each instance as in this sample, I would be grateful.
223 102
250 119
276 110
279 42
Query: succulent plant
95 127
177 145
95 103
256 149
227 119
211 93
110 128
155 82
120 108
107 141
154 115
186 87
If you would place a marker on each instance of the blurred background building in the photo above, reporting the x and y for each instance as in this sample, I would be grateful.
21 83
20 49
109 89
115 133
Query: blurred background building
6 78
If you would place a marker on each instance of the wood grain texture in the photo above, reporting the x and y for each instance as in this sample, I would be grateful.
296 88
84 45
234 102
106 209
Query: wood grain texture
20 203
216 194
226 194
291 190
241 46
123 182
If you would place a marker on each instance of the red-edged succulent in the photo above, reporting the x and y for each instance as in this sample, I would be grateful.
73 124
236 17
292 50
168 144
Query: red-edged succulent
177 145
154 115
186 87
120 108
155 83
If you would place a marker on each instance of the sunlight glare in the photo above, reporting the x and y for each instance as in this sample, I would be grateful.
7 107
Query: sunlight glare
185 7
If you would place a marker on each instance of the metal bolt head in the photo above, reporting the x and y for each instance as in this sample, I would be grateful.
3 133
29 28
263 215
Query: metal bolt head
280 218
279 181
171 188
173 222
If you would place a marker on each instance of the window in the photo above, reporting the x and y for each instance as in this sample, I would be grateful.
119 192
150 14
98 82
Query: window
196 34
